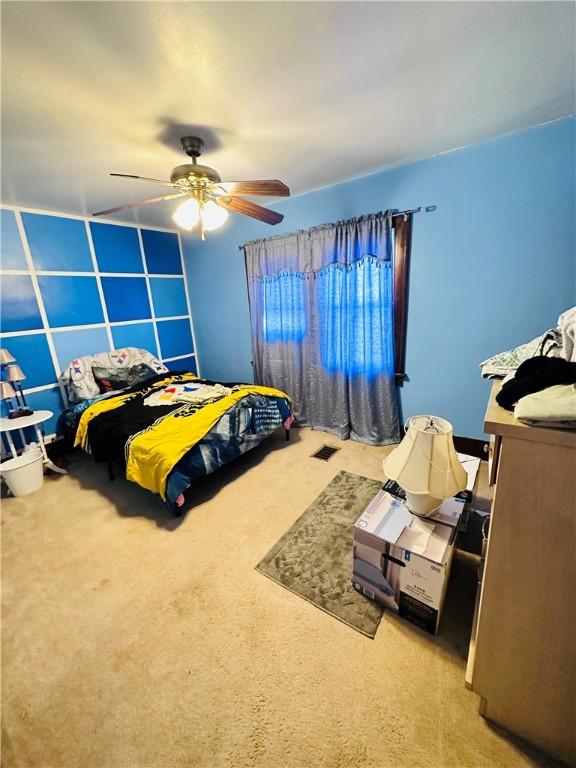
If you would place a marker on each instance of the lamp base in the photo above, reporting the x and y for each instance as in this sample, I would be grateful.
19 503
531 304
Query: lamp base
20 412
421 504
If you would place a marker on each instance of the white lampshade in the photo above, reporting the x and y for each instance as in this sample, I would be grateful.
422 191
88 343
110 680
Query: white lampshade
213 216
187 215
15 373
6 390
6 357
426 465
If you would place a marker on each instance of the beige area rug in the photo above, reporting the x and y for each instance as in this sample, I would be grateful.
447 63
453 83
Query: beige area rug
130 640
314 558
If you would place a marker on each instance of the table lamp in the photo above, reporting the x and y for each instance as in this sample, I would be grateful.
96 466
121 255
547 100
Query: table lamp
426 465
6 357
15 375
7 393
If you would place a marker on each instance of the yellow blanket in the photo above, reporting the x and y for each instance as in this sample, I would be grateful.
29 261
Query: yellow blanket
154 452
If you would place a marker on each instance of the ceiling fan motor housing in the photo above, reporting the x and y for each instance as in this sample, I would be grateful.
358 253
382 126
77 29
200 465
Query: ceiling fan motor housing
190 172
192 145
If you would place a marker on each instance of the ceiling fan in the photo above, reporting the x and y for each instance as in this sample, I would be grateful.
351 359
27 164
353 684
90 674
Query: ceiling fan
206 199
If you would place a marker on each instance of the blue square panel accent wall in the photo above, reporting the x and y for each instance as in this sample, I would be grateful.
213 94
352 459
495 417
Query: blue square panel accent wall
117 248
175 338
162 252
57 244
71 300
168 296
126 298
87 289
47 400
20 310
12 255
72 344
183 364
135 335
33 356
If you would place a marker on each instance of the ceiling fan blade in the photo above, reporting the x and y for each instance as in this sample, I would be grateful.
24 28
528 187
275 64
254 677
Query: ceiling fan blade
264 187
238 205
136 203
144 178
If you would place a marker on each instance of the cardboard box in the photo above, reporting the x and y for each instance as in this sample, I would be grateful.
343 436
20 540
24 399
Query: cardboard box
403 561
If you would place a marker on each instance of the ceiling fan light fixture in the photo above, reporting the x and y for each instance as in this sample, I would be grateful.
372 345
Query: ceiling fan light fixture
187 215
213 216
206 198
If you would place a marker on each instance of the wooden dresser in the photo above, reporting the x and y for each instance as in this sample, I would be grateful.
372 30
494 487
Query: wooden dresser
523 651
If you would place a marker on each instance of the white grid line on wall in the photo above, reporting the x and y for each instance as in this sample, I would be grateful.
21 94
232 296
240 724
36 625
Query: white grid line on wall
188 304
149 291
41 308
113 324
99 284
177 357
40 388
88 273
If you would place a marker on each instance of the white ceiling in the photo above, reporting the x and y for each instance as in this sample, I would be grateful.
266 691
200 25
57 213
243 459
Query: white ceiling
308 92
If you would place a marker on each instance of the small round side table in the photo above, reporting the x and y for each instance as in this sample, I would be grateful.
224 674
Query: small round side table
20 423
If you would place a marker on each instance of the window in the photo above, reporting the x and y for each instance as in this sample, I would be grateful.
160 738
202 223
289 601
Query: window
355 318
283 308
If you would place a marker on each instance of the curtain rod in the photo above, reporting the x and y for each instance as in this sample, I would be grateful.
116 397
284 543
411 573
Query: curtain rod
427 209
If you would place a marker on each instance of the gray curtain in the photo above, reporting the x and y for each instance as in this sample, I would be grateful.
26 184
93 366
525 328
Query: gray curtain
322 325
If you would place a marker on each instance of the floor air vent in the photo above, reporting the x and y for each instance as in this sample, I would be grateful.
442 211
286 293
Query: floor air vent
325 453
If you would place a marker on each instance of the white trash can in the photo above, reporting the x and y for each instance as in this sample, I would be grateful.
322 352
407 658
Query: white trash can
24 474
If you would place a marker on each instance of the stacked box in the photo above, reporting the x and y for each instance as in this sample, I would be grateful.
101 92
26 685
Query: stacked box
403 561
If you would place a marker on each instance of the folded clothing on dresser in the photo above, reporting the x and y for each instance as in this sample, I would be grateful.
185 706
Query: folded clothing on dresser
552 407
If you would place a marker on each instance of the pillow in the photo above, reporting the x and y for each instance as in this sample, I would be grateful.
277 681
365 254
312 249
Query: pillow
78 379
110 379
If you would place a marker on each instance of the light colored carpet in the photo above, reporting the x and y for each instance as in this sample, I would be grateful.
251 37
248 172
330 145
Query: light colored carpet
131 642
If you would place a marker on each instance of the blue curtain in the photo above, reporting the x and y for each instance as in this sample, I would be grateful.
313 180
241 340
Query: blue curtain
355 306
322 325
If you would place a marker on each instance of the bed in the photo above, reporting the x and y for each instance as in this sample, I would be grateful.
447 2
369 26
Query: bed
165 428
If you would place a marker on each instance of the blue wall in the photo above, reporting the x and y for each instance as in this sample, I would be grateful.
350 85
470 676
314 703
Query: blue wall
492 267
71 287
